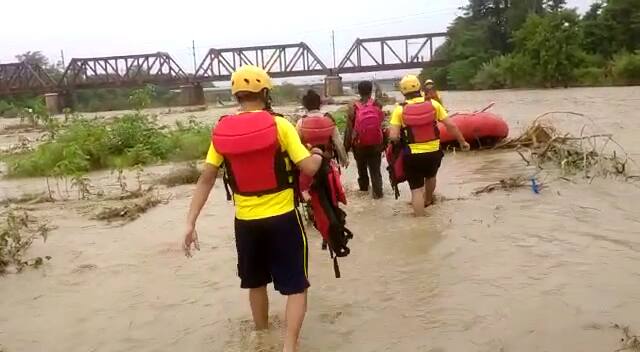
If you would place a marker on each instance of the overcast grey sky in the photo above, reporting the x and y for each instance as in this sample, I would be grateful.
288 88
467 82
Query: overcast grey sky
86 28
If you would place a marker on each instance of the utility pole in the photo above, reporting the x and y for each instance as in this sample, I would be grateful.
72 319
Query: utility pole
62 59
195 65
333 45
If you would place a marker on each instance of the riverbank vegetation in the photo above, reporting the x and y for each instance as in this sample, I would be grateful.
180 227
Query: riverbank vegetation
86 144
540 43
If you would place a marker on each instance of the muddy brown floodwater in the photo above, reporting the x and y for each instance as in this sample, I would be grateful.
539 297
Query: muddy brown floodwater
496 272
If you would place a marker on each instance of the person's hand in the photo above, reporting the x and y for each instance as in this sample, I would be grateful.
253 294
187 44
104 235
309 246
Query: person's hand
317 151
190 238
465 146
345 164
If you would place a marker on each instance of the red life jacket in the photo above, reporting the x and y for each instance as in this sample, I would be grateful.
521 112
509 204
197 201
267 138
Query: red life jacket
368 124
254 161
421 122
317 130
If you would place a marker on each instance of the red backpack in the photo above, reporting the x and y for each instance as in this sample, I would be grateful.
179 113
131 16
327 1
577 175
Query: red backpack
368 124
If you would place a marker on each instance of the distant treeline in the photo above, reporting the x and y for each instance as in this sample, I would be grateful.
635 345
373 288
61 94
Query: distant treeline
540 43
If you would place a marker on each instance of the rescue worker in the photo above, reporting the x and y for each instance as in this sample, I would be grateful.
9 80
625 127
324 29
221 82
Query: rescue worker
430 91
365 137
270 239
320 130
415 124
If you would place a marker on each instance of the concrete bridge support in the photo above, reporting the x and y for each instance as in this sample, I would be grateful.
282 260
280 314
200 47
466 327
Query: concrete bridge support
54 103
192 94
333 86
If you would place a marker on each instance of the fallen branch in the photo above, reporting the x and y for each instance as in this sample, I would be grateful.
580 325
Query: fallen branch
570 153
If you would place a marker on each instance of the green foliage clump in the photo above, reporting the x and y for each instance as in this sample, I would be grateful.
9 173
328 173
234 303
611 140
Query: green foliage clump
134 139
340 117
8 109
506 71
626 68
141 98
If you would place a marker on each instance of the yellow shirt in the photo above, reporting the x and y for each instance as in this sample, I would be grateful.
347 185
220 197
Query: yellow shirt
265 206
397 120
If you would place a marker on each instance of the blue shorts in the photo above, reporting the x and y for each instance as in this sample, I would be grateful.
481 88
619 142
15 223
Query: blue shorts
273 250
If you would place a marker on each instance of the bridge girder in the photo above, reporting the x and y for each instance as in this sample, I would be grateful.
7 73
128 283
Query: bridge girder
123 71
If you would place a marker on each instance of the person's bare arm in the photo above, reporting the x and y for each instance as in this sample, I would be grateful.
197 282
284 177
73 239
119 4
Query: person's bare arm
200 195
455 131
310 165
343 158
348 131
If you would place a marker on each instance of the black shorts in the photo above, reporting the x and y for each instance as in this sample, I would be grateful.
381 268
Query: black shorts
417 167
273 250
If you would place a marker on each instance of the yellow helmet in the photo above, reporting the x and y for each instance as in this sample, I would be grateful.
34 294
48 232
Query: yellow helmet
250 78
409 84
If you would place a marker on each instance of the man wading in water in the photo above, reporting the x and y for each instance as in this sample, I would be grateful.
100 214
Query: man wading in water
414 123
270 237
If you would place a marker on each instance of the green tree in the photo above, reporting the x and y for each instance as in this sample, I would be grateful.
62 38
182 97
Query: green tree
612 26
39 59
623 16
552 43
33 58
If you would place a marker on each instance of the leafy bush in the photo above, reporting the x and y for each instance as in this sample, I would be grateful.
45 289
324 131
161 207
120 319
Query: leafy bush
129 140
8 110
507 71
461 73
626 68
340 117
141 98
490 76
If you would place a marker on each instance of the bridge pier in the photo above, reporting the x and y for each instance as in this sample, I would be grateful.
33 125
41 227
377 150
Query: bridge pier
54 103
192 94
333 86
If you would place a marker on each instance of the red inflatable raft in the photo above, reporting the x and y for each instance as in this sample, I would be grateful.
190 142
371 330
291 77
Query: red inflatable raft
478 128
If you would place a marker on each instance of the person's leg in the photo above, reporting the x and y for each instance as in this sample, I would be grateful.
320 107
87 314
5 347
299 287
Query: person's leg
289 259
259 301
295 312
417 201
253 268
363 176
374 163
432 165
429 188
415 177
